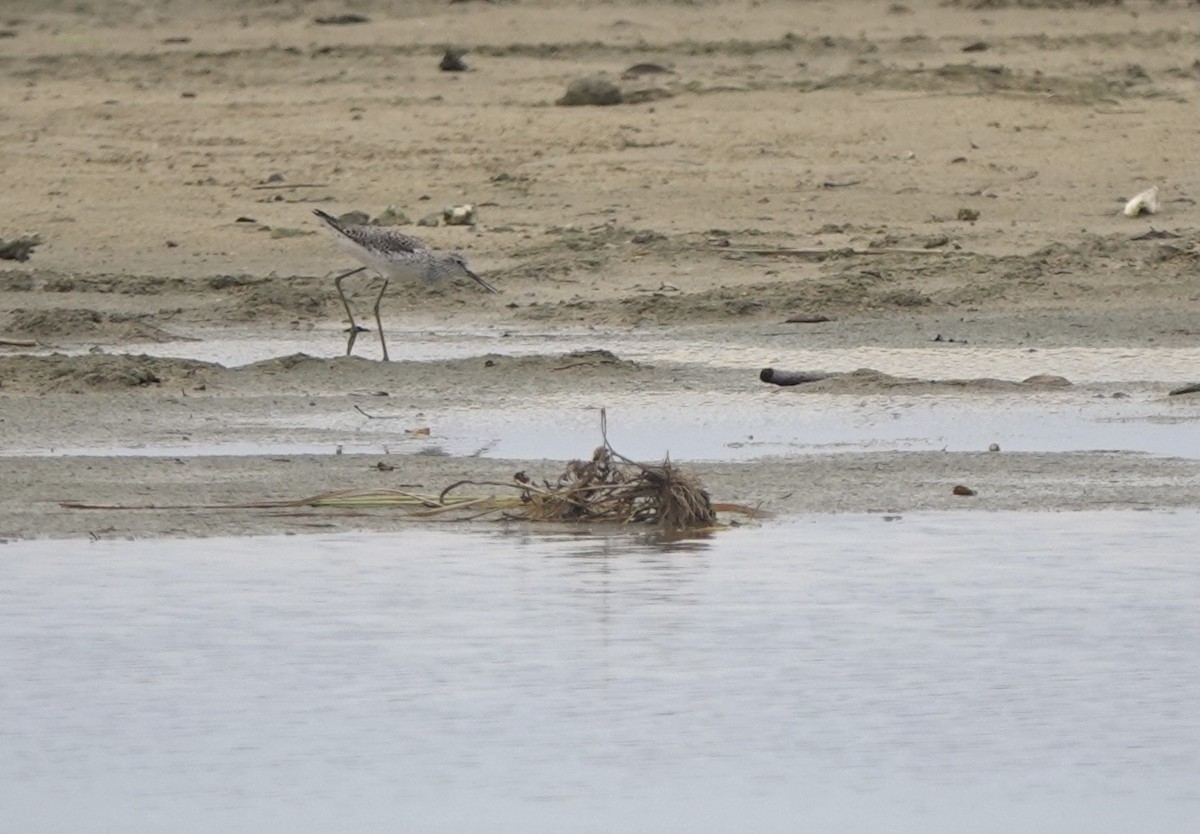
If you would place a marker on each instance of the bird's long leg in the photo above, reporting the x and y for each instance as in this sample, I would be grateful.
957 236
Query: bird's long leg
379 322
337 282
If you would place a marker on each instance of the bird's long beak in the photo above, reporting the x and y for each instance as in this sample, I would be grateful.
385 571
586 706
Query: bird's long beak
482 282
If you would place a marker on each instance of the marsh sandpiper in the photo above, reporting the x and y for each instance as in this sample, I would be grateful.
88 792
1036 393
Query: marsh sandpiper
394 256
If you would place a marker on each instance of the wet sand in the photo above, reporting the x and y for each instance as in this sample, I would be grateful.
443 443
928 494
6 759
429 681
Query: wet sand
951 209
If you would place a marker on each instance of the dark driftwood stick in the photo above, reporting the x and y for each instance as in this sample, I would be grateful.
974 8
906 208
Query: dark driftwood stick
1187 389
777 377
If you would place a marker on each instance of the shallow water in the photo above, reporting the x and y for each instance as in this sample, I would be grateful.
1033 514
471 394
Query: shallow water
937 672
704 426
756 422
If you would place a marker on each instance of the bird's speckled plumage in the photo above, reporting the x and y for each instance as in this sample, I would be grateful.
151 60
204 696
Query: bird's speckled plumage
393 256
398 256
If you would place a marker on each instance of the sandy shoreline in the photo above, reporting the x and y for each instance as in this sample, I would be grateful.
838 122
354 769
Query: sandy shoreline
954 214
98 421
885 484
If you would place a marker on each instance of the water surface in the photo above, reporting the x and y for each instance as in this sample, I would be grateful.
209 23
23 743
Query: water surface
965 671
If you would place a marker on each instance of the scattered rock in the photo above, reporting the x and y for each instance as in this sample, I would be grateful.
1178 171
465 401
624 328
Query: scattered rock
592 90
969 215
391 216
19 249
994 447
963 490
354 218
463 215
430 220
452 61
1144 203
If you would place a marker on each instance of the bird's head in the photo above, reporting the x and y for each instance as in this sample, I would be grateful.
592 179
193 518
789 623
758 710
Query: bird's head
460 262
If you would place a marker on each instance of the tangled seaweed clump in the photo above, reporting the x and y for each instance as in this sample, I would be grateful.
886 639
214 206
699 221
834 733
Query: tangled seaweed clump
610 487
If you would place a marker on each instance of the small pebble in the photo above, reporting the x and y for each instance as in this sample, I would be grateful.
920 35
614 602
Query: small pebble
453 61
463 215
591 90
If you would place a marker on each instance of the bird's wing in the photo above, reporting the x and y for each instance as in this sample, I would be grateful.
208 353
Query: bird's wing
376 238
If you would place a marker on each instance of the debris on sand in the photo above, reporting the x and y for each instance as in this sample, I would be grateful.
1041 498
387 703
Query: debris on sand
871 379
611 487
452 61
594 90
776 376
393 215
20 248
348 19
608 488
1144 203
463 215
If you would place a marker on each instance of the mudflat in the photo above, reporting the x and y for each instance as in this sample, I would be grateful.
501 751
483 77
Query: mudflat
923 198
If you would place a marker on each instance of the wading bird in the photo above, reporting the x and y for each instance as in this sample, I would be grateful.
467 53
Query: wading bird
393 256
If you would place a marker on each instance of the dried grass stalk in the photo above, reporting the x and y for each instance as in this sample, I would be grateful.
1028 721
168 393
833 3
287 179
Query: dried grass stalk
611 487
608 488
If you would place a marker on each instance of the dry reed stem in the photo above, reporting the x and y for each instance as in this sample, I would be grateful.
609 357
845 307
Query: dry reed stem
608 488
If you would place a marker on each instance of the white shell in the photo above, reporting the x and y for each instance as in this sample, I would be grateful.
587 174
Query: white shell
463 215
1144 203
